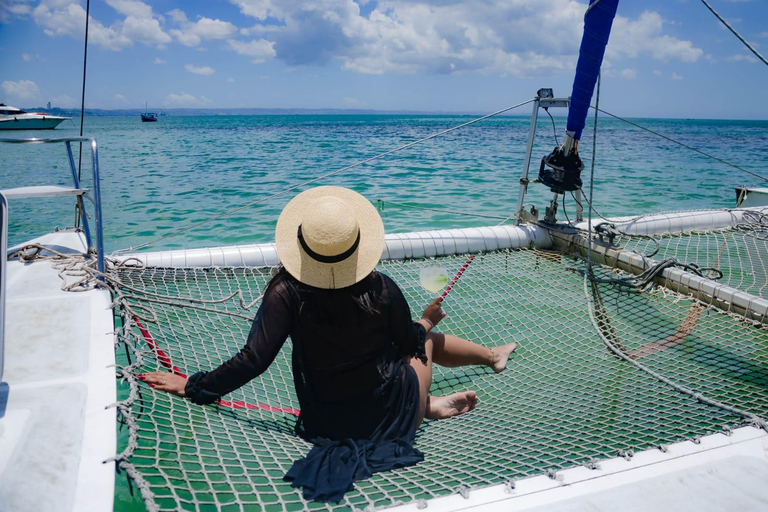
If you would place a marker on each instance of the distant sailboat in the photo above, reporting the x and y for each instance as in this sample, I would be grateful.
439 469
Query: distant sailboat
148 117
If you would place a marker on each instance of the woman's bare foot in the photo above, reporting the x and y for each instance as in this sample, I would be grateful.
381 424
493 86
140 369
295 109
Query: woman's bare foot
501 355
441 407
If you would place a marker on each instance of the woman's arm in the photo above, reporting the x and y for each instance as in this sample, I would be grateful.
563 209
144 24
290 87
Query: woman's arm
406 334
269 330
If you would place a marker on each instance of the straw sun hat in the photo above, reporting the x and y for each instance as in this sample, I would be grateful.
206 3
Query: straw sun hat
329 237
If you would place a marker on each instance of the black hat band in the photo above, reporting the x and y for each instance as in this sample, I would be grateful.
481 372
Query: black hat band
328 259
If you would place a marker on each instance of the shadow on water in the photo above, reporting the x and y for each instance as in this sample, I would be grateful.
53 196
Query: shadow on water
724 362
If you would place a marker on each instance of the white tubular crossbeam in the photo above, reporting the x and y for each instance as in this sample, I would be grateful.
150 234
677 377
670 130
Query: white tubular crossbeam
424 244
680 222
427 244
722 296
255 255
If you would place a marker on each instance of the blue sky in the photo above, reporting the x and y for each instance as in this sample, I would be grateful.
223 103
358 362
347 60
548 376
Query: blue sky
665 58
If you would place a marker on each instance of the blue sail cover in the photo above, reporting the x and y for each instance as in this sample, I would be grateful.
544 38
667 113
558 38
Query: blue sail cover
597 28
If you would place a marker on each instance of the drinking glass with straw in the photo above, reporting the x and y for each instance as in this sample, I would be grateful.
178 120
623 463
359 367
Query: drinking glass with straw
434 277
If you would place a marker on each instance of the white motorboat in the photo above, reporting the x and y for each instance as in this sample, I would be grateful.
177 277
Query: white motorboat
12 118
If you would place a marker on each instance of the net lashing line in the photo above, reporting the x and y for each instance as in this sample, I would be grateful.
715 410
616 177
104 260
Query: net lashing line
565 400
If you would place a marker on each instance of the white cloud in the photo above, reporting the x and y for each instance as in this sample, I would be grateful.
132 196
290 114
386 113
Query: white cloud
28 57
644 37
214 29
193 33
145 30
230 80
131 8
58 19
184 99
65 101
186 38
13 8
741 57
158 60
657 72
201 70
397 36
258 9
451 37
67 18
353 102
22 92
178 16
120 99
628 74
675 76
259 50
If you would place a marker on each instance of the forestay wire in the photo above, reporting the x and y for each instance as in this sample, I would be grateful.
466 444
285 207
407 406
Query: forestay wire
755 175
733 30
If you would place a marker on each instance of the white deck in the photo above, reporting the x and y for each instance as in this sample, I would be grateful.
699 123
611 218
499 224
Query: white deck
720 473
57 430
59 355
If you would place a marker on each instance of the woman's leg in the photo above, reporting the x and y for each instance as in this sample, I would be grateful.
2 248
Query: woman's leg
452 351
438 407
424 373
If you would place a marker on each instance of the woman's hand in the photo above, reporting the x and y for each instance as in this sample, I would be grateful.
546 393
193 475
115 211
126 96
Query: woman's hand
164 381
434 312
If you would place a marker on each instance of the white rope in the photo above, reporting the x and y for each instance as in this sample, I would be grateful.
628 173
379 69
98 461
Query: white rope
757 420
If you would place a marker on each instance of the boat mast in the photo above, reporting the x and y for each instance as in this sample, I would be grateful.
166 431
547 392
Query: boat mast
561 169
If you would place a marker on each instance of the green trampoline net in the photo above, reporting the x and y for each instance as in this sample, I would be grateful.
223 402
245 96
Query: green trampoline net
565 399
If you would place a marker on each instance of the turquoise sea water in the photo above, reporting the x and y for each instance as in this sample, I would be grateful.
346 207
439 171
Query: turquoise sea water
160 177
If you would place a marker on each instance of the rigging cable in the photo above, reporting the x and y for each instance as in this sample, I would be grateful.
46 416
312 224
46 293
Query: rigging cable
324 176
82 98
79 207
755 175
729 27
546 109
588 273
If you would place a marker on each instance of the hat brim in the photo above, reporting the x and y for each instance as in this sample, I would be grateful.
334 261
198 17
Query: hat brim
329 275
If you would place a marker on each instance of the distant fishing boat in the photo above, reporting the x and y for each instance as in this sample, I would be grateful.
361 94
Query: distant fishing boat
148 117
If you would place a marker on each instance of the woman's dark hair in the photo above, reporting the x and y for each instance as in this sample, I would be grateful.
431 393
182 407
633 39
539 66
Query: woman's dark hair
320 304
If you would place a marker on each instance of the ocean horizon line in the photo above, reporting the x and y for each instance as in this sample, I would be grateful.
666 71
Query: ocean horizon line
267 111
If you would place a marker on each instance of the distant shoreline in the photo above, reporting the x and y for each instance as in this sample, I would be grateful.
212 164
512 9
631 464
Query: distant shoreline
179 112
254 112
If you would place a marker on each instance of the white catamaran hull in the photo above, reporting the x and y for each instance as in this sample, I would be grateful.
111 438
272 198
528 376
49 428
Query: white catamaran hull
59 424
62 384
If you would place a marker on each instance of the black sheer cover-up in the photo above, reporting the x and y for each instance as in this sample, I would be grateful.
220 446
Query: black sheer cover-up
359 399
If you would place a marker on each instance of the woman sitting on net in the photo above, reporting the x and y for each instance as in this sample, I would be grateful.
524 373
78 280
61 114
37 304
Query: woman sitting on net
362 368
